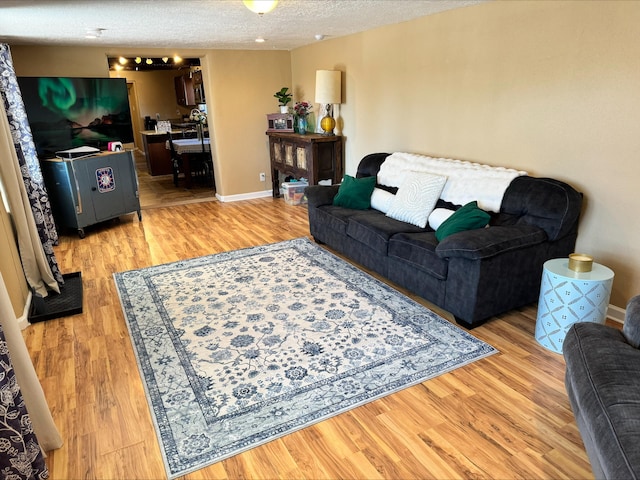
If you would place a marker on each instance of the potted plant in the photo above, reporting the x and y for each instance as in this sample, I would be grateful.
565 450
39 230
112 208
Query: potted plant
283 97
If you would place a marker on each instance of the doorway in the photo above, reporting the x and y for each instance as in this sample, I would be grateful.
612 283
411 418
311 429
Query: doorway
152 93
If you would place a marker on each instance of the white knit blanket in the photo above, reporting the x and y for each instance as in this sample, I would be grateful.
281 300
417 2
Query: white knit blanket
466 181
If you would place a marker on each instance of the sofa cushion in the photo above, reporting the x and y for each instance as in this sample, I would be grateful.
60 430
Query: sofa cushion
320 195
418 249
355 192
416 198
374 229
335 217
468 217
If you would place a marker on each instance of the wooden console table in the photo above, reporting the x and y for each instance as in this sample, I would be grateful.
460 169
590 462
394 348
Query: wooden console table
312 156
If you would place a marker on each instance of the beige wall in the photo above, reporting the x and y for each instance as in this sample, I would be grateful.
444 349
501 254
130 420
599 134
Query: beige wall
156 92
549 87
242 84
59 62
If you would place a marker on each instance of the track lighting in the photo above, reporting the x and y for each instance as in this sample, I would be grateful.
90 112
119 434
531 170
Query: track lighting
150 63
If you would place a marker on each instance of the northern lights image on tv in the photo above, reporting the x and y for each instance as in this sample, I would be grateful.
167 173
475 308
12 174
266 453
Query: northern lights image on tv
72 112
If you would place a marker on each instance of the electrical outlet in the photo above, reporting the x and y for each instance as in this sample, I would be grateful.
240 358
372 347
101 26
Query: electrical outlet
263 177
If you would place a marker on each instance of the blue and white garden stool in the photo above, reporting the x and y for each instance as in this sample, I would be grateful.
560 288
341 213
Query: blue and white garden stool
568 297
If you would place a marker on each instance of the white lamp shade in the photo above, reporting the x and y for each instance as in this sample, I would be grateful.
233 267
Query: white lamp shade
328 87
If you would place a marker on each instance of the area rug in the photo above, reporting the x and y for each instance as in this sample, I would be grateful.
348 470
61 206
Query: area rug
239 348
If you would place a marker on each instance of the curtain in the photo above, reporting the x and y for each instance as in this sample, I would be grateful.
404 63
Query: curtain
24 186
26 424
21 456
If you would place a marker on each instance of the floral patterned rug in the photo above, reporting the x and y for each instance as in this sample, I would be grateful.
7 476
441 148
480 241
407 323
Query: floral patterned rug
239 348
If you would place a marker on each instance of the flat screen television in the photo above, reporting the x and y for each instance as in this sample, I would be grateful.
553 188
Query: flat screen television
66 112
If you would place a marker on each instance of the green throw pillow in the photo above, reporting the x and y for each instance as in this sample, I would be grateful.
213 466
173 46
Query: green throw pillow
355 192
468 217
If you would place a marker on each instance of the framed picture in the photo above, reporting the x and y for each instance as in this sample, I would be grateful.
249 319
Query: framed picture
280 122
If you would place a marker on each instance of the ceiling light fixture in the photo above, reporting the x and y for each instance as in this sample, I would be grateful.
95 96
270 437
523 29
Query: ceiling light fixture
149 61
260 6
260 40
123 61
319 36
138 60
165 59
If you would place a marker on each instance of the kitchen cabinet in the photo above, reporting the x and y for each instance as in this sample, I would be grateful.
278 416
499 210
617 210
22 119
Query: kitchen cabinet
185 94
198 88
86 191
312 156
156 154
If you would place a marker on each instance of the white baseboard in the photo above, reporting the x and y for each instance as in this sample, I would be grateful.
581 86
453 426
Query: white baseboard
616 314
244 196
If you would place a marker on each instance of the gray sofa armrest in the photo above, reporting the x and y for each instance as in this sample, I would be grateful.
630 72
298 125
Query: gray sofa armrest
488 242
602 383
318 195
631 328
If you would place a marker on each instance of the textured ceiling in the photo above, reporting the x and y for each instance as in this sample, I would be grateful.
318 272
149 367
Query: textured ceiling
201 24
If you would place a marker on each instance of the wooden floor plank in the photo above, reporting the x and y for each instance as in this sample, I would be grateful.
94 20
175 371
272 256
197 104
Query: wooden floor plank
504 416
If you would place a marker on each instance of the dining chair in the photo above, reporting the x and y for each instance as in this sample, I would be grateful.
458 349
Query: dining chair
201 164
176 161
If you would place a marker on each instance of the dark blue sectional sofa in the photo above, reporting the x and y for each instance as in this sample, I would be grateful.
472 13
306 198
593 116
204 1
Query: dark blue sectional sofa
474 274
603 383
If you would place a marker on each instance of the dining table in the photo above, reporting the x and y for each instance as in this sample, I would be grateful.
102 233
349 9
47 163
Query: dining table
186 147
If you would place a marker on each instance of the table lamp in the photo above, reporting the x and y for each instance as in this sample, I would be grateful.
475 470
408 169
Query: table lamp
328 93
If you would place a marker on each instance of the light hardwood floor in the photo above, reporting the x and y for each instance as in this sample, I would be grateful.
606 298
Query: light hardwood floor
505 416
